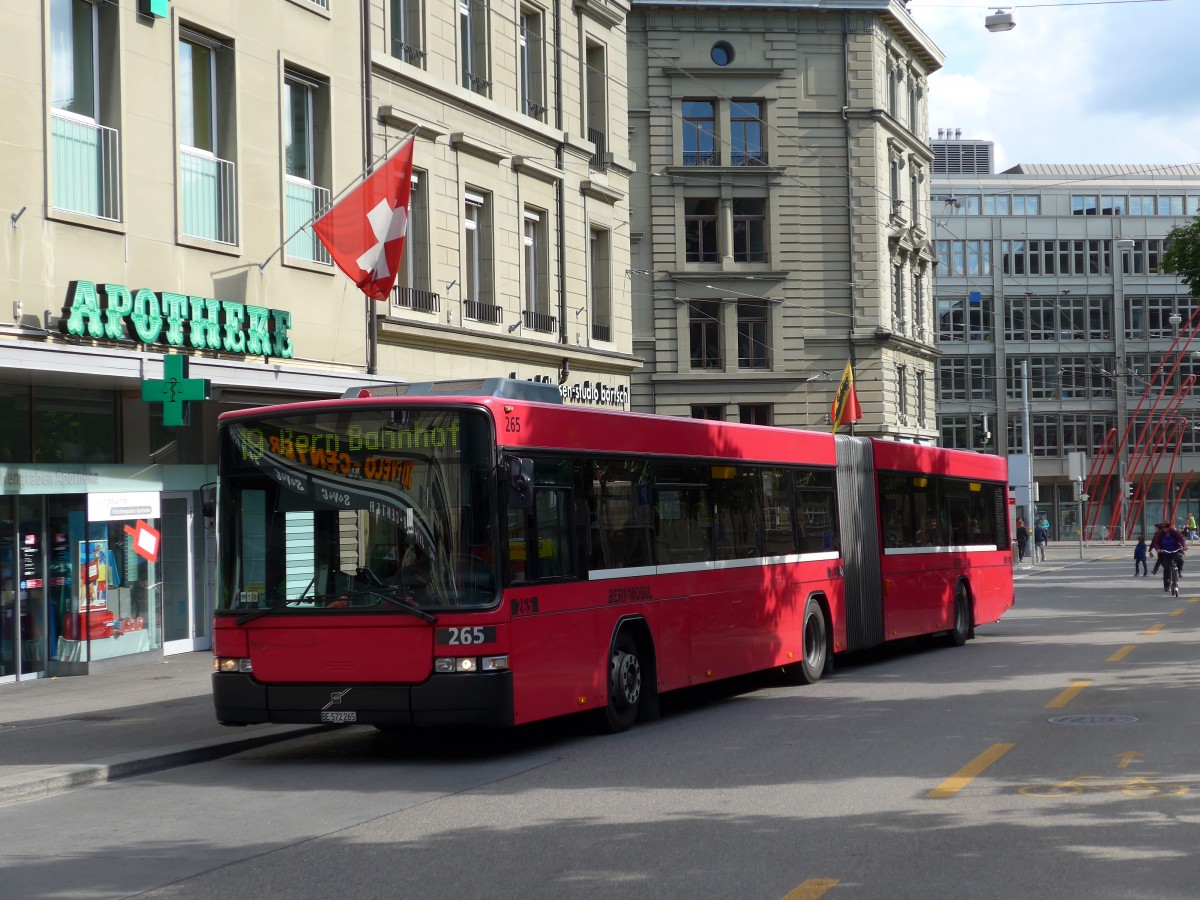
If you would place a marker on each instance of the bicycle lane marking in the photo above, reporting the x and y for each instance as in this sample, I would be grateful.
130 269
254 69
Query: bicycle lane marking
811 889
969 772
1068 695
1122 653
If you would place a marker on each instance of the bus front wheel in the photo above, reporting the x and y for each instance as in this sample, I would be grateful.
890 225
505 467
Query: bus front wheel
815 637
624 684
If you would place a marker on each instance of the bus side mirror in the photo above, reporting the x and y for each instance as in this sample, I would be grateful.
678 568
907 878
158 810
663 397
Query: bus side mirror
520 482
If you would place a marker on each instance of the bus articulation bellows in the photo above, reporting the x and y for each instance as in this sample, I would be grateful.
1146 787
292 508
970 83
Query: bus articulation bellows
479 553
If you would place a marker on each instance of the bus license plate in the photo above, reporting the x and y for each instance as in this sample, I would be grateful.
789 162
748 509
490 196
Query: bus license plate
339 716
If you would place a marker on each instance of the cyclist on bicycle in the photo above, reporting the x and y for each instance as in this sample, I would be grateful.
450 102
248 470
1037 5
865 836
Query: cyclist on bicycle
1169 544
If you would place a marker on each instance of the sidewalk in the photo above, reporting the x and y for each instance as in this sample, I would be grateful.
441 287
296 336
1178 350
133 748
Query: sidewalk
1064 554
60 733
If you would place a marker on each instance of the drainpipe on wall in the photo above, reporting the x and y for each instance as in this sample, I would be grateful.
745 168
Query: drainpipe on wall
560 199
849 182
368 144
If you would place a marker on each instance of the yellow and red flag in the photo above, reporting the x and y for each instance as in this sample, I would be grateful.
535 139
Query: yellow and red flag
845 401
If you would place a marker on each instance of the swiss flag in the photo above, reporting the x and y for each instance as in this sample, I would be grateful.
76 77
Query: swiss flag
364 231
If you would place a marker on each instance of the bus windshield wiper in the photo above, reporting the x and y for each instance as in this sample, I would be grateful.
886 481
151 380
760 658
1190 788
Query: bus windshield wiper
256 613
391 598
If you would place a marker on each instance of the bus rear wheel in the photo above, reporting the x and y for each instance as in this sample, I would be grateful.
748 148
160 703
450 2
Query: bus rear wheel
624 684
815 637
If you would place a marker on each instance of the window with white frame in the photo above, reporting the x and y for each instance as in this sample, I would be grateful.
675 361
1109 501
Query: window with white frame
970 257
478 296
208 172
537 277
952 378
407 40
595 81
85 171
532 63
412 289
473 46
306 171
600 252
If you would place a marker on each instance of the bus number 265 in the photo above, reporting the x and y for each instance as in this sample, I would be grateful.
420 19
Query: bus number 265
457 636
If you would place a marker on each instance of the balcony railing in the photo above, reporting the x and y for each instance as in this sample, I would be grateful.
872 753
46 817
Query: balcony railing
748 158
477 84
536 110
208 196
601 332
86 160
598 161
701 158
421 301
536 321
304 203
478 311
408 53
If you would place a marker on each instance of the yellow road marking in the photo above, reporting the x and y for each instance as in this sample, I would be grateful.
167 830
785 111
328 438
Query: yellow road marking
811 889
1154 629
1128 757
1122 653
1068 695
1179 612
969 772
1194 600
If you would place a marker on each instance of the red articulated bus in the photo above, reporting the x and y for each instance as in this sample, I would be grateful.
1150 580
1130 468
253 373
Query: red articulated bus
480 553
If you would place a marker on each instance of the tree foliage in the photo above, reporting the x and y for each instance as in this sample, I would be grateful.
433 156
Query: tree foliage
1182 255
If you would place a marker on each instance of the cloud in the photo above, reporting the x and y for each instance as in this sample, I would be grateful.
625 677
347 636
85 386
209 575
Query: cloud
1084 84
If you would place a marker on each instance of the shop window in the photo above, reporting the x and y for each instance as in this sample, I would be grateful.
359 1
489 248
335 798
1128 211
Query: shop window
74 426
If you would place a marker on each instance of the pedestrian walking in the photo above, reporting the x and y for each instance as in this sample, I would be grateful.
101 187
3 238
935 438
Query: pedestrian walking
1154 552
1022 539
1191 527
1140 552
1041 537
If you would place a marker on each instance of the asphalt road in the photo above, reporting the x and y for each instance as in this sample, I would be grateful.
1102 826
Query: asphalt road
1053 756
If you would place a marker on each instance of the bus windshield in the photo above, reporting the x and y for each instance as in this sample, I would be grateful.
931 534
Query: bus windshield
387 509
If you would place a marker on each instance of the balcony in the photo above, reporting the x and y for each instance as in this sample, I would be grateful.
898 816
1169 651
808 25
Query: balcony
208 196
86 167
414 299
601 332
305 202
541 322
478 311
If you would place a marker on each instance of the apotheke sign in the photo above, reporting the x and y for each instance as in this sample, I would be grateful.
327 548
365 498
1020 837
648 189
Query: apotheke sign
114 312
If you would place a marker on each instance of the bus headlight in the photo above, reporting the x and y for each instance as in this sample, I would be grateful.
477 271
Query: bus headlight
231 664
450 664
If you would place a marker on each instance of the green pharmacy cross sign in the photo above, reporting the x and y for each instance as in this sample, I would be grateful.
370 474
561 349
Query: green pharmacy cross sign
174 390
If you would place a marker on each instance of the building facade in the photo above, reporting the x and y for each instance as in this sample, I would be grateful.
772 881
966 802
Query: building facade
163 162
781 221
1050 291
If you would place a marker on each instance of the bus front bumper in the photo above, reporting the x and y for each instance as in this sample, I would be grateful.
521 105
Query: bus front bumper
480 698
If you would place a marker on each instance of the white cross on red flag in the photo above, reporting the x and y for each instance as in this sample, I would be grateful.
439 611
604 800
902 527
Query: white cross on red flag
364 231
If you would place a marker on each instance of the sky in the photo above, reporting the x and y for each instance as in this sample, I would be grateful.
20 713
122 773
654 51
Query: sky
1073 82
